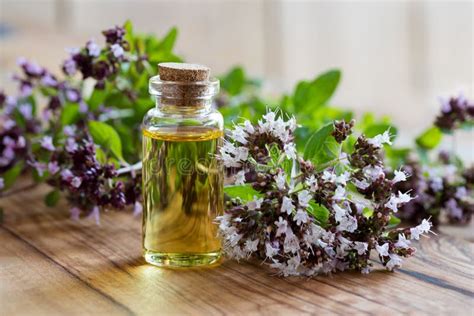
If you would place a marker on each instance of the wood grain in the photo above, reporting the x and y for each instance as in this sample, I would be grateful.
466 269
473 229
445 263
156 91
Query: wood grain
52 265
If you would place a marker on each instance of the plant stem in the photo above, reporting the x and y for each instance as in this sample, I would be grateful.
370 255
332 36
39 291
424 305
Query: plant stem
130 168
18 190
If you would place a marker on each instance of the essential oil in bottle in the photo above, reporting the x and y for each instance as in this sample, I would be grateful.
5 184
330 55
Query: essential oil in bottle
182 176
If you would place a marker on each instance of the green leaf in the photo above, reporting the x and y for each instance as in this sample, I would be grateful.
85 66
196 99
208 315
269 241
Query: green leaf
97 98
301 94
234 81
245 192
430 138
396 157
101 156
309 96
321 146
316 141
106 136
319 212
367 212
167 43
52 198
70 114
129 35
393 222
379 128
11 175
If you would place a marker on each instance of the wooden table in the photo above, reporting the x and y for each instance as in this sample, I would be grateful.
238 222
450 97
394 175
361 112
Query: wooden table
52 265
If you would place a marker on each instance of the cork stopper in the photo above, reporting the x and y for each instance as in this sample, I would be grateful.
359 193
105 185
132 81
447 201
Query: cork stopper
181 84
183 72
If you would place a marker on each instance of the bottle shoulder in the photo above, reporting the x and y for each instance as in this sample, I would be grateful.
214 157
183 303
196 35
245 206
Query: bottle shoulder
156 119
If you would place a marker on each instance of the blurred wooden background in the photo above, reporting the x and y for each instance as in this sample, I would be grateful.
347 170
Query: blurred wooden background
397 56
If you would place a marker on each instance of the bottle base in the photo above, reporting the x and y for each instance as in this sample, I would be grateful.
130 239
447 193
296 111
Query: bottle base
182 260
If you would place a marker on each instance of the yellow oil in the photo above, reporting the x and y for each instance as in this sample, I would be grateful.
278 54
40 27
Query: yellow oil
183 193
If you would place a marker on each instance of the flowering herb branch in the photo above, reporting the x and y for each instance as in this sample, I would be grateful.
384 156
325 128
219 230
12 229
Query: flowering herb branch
442 184
79 132
302 220
90 121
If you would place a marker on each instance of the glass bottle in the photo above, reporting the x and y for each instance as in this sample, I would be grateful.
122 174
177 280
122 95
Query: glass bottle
182 177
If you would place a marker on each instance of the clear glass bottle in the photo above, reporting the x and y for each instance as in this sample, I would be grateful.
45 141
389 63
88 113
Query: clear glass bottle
182 177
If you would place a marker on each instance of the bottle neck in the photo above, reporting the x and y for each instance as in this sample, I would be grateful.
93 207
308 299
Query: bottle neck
183 106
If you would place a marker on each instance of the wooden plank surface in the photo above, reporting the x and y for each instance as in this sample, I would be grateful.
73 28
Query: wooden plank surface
52 265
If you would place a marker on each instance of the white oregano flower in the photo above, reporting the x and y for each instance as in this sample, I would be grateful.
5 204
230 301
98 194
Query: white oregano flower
382 250
340 193
239 134
380 139
343 178
300 217
394 262
281 224
402 242
312 183
290 150
329 176
239 177
256 203
361 247
423 228
287 205
251 245
304 197
249 127
395 200
280 180
400 176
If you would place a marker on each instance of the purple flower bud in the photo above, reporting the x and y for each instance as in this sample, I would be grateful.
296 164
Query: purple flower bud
9 142
31 69
137 209
69 130
8 153
75 213
71 145
76 182
48 80
20 143
101 70
10 103
454 210
8 124
53 167
114 35
445 105
40 167
93 48
109 171
47 143
95 215
46 114
4 161
70 67
54 103
73 95
26 89
66 175
26 110
83 107
117 50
